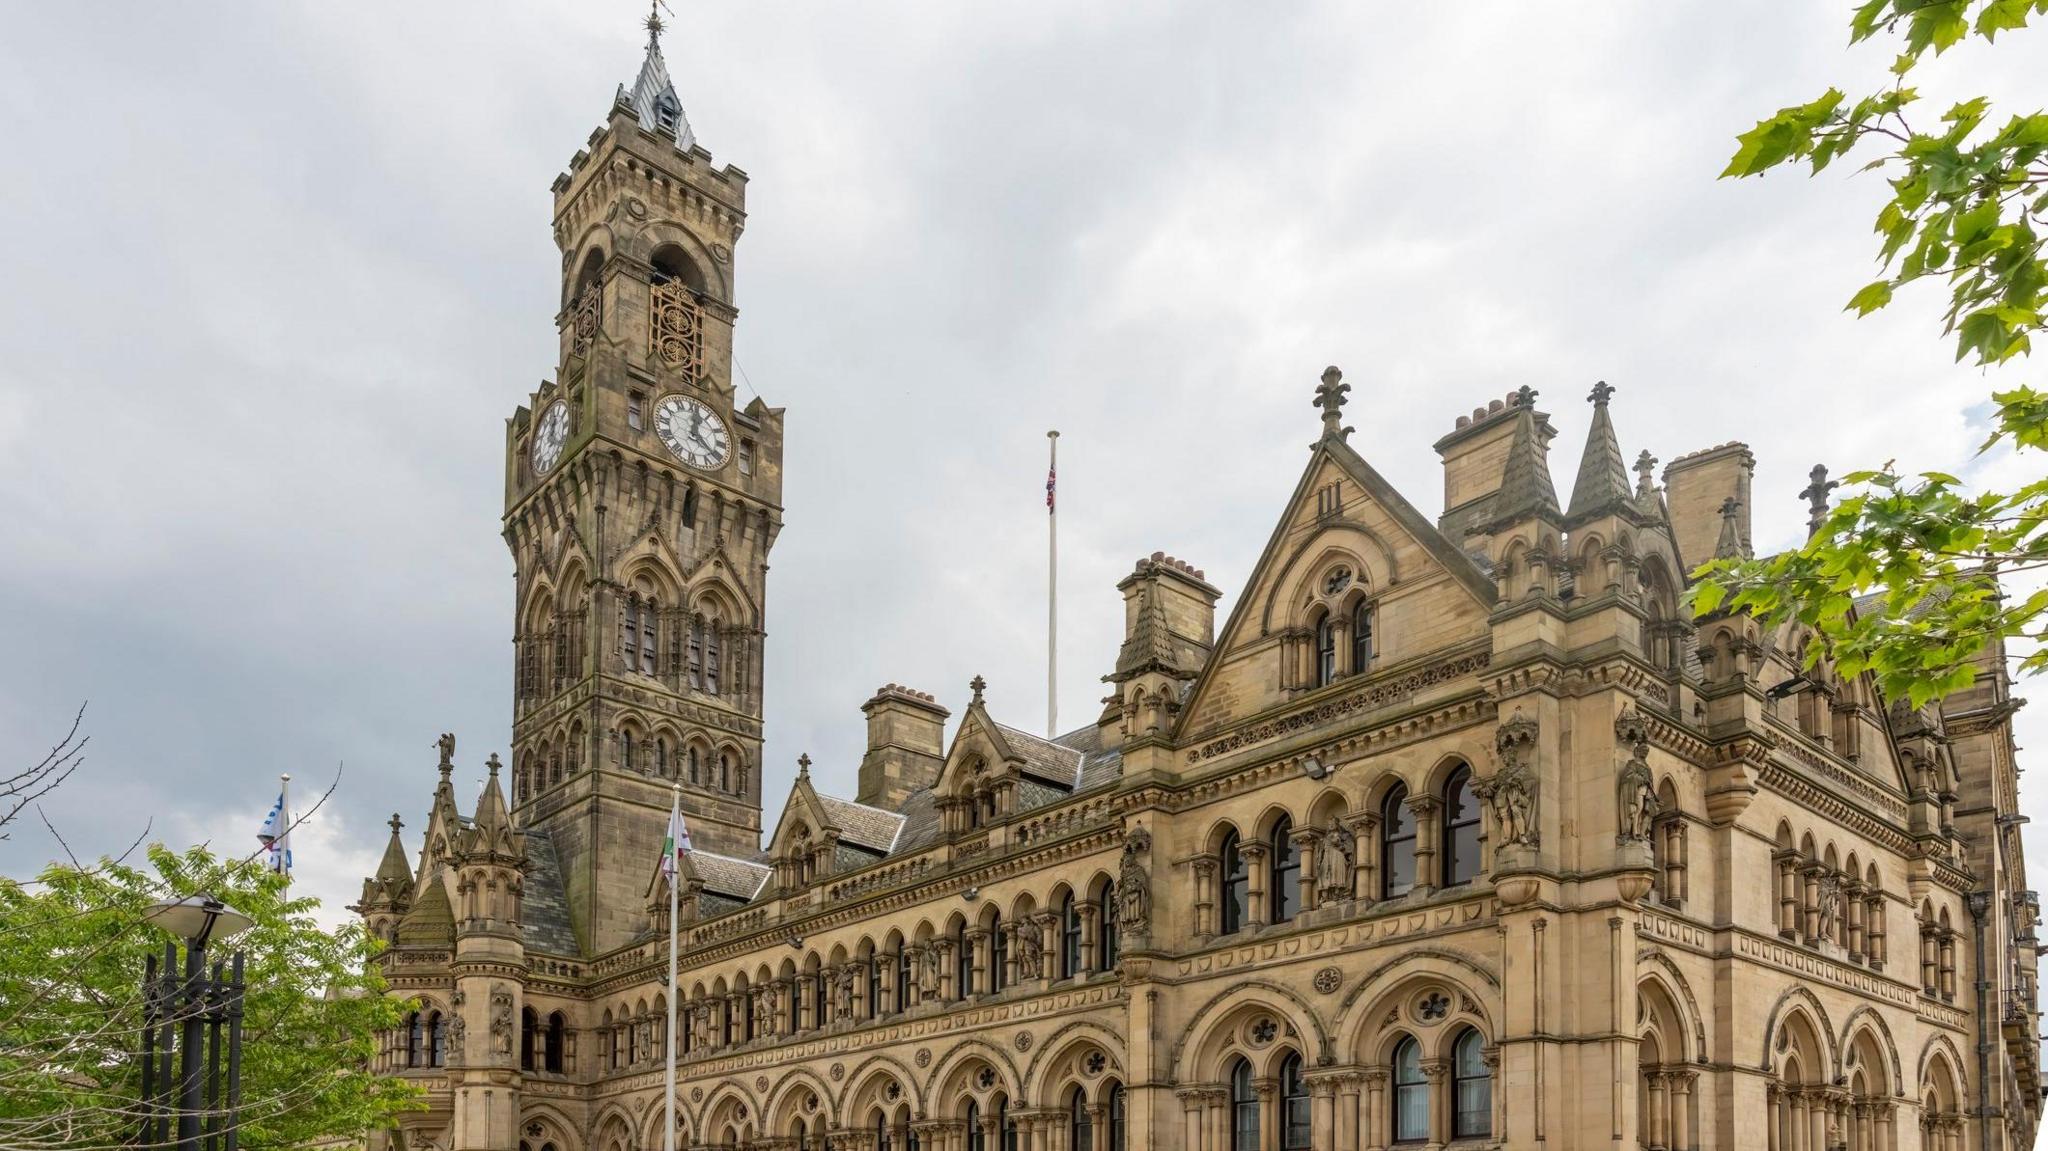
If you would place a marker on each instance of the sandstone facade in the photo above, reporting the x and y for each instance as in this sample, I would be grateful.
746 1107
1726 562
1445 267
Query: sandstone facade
1456 832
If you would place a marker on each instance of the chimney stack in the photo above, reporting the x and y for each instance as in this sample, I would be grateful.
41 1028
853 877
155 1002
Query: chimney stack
906 746
1695 487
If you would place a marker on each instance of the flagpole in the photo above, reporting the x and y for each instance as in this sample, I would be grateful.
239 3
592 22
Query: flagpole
1052 588
668 1131
284 799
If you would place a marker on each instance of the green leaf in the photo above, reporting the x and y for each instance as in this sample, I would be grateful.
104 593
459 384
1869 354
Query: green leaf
1873 296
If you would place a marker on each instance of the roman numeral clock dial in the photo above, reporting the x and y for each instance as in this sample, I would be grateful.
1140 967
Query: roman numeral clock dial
692 432
550 437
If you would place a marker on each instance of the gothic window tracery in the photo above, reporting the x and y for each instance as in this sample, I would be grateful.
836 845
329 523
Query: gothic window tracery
1397 844
1461 829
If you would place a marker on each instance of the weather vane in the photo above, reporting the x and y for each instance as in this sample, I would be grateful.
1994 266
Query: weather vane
654 11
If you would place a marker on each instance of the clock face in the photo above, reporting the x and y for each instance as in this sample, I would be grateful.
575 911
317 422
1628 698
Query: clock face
550 436
692 432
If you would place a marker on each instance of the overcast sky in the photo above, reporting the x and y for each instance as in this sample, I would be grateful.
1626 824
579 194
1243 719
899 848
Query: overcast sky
275 274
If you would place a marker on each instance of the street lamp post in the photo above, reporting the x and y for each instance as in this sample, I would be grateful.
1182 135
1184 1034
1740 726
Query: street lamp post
199 1007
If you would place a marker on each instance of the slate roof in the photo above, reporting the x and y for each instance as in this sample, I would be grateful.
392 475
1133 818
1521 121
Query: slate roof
920 821
543 905
1603 475
652 92
861 825
1046 760
741 879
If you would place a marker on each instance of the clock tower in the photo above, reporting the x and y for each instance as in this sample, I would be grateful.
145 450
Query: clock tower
641 501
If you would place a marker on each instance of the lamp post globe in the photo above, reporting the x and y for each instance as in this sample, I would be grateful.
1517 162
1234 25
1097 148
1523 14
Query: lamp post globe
198 919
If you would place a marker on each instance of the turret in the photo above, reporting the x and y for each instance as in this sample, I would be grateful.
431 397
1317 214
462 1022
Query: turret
1169 627
387 895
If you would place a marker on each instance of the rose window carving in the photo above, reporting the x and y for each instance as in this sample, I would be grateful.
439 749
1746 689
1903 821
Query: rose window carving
1264 1031
1433 1006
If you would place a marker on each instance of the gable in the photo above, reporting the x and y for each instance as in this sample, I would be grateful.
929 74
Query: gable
1344 518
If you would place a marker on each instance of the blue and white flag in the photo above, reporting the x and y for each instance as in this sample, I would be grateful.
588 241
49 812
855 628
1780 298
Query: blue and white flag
276 836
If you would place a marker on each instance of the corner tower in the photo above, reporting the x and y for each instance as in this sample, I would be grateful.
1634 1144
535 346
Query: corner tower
641 500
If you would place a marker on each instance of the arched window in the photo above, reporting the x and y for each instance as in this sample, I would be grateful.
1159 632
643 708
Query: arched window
626 749
1105 931
557 1033
881 1132
1070 938
874 1003
1080 1128
1461 829
661 755
963 964
1283 873
694 775
1006 1126
1411 1094
821 997
711 658
529 1026
724 772
437 1041
747 1024
1117 1107
998 953
901 999
1326 651
1361 637
1294 1122
976 1139
796 1005
1471 1088
415 1032
1244 1108
686 1035
695 652
1236 881
1397 845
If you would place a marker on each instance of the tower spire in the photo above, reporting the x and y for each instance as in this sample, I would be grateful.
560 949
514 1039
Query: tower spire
653 96
1603 476
1525 487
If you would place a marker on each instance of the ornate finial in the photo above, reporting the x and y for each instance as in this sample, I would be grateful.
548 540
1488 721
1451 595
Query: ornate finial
1601 391
1816 494
493 763
1646 471
447 745
396 823
1330 397
1525 396
977 685
654 24
803 765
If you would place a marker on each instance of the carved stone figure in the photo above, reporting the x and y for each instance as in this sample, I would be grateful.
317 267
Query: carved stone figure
1513 789
457 1031
1334 863
1635 796
501 1021
844 993
1029 948
447 745
928 971
1134 891
771 1001
1828 901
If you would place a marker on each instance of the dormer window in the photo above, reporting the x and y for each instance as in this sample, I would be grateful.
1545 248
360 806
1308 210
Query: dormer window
667 111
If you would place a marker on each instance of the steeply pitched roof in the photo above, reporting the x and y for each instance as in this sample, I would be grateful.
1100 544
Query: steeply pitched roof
543 905
653 96
1602 484
1525 485
740 879
860 825
1044 759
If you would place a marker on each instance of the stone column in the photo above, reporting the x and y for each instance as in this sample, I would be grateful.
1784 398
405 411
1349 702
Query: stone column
1655 1119
1425 807
1305 840
1852 916
1091 929
1435 1071
1268 1091
1257 913
1205 896
1930 979
1191 1117
1817 1120
1365 857
1322 1116
1377 1126
1873 918
1682 1083
1788 893
1809 903
1052 938
1774 1117
980 973
1347 1111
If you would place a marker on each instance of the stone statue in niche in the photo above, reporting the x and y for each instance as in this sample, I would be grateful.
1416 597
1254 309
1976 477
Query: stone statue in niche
1334 855
1030 948
1514 788
458 1030
1829 901
928 971
844 992
501 1021
1635 798
1134 891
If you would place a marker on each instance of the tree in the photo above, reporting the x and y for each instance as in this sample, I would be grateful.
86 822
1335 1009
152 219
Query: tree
1968 205
71 1009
